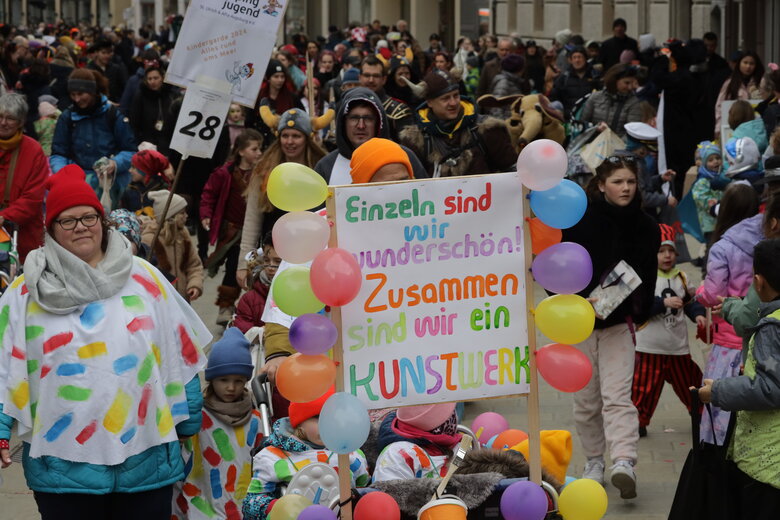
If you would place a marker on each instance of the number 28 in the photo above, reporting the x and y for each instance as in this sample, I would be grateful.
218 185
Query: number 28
209 130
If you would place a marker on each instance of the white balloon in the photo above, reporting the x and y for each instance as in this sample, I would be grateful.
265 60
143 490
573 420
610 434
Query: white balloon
542 164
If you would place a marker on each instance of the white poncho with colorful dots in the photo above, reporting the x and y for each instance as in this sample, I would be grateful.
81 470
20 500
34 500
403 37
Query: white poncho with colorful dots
105 382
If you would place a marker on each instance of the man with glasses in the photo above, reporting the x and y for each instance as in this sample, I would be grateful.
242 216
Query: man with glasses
359 117
373 75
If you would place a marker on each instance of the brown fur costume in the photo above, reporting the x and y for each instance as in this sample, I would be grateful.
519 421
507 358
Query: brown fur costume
510 463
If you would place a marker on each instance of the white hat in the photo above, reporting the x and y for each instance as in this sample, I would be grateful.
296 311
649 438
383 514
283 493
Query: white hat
642 131
159 198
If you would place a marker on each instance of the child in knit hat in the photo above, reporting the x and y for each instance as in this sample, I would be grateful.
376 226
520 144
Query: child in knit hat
262 265
149 171
708 188
176 253
662 345
416 442
220 454
294 444
48 114
380 160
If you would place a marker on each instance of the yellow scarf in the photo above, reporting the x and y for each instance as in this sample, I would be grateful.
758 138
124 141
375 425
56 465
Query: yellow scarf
12 142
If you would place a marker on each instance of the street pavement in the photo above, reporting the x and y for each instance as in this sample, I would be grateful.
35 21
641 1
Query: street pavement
661 454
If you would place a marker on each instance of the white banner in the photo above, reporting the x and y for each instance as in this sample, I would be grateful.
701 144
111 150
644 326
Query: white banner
441 314
229 41
200 121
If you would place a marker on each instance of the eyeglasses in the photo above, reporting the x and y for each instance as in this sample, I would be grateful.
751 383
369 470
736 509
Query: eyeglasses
70 223
355 120
621 159
8 119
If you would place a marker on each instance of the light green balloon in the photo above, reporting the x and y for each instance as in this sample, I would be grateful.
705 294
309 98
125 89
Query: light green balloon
293 294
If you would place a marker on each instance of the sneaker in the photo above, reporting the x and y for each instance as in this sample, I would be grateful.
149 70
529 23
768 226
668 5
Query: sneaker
594 470
225 315
643 431
624 478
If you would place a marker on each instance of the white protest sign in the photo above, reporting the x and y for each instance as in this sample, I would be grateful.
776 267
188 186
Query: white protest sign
200 121
227 40
441 314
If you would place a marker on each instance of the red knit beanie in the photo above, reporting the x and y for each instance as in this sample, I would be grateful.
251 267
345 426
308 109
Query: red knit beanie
67 189
299 412
150 162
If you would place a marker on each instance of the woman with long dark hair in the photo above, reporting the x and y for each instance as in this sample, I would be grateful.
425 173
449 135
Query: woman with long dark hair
743 83
614 229
616 104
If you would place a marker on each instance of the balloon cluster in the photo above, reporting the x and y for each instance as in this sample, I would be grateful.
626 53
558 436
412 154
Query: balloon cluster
301 236
564 268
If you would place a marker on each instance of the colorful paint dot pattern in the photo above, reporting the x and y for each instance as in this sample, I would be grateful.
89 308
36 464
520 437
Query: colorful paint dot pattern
219 469
101 396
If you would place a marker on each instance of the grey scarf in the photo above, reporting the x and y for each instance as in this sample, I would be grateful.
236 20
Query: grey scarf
60 282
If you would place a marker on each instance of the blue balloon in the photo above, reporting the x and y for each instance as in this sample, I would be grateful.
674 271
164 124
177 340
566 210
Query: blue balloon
569 480
560 207
344 423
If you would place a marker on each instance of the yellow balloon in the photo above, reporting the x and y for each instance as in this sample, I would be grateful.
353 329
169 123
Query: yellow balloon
583 499
295 187
289 507
565 318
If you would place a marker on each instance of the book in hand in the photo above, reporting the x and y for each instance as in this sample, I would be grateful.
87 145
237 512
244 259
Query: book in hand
613 290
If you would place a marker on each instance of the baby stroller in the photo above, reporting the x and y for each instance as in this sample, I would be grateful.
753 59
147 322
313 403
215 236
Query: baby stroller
259 385
9 255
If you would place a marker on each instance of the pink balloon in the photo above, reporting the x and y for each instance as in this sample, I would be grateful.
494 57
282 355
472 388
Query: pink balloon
335 277
542 164
300 235
491 423
564 367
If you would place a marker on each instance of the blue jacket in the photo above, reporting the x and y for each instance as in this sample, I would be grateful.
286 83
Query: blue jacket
83 139
152 469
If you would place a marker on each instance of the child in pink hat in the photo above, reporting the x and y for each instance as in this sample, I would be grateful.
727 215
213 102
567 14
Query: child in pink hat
417 442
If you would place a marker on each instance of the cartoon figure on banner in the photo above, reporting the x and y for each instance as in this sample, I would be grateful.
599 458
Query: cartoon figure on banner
238 73
271 7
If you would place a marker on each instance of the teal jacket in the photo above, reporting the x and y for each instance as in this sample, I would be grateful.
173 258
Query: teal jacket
756 131
742 314
152 469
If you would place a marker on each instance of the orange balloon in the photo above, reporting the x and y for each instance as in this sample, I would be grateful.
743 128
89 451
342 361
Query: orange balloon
303 378
542 235
509 438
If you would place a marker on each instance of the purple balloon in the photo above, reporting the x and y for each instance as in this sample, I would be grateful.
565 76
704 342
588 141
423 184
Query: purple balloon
313 334
524 500
317 512
563 268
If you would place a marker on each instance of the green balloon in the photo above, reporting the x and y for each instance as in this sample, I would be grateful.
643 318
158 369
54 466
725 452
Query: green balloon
293 294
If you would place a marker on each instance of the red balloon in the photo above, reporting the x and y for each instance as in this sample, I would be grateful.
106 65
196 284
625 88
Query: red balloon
335 277
377 505
564 367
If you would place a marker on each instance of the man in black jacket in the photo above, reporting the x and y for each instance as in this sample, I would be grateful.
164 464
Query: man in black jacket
612 48
102 52
578 81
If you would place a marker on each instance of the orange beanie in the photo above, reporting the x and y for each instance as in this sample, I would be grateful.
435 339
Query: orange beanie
556 451
299 412
372 155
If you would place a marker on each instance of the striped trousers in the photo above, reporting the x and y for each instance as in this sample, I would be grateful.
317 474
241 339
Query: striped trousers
650 373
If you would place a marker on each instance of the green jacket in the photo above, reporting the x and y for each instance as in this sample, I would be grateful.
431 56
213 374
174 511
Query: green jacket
742 314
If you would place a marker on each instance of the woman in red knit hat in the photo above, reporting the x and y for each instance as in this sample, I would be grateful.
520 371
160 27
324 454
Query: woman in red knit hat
100 356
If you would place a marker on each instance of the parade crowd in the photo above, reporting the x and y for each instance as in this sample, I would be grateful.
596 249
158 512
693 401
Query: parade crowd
102 358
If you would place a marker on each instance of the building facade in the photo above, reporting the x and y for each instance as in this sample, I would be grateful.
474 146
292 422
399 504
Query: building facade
739 24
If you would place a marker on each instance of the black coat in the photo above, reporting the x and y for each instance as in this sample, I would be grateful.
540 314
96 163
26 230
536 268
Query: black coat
610 234
149 108
569 87
612 48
